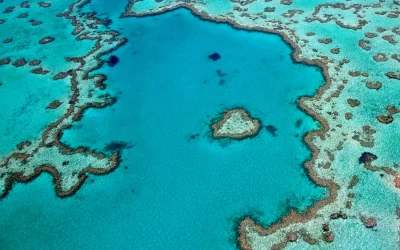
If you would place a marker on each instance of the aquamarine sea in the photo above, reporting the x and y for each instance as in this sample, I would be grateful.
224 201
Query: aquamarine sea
177 187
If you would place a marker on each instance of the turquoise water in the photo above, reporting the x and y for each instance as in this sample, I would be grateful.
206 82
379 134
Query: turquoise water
172 191
24 115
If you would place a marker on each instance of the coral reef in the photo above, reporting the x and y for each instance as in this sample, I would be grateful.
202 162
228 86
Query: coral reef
69 167
236 124
354 43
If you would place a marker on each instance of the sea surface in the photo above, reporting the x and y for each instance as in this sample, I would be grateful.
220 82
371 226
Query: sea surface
177 187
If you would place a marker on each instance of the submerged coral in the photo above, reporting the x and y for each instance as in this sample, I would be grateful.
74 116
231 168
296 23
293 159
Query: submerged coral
236 124
45 153
353 43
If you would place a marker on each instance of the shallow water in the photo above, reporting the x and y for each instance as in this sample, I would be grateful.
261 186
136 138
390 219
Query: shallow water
26 95
169 90
172 191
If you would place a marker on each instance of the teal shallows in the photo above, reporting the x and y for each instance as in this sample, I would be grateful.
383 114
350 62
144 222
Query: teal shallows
171 191
24 96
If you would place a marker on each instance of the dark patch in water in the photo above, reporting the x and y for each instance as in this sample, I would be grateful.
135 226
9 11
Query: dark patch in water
215 56
367 157
271 129
194 136
398 212
220 74
298 123
107 22
118 146
112 61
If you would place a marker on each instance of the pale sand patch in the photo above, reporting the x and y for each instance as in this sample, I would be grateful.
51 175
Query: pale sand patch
236 124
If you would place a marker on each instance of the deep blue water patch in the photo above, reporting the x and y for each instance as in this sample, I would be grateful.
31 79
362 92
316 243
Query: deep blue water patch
112 61
118 146
215 56
272 130
177 188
